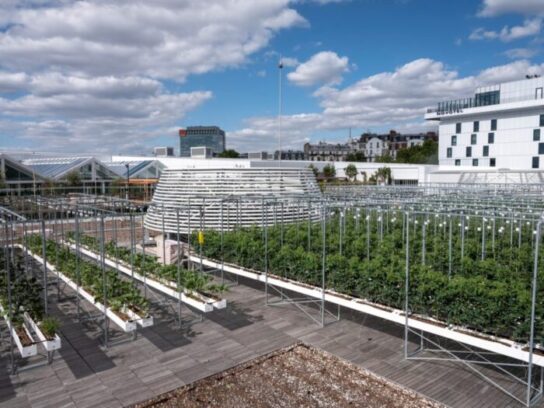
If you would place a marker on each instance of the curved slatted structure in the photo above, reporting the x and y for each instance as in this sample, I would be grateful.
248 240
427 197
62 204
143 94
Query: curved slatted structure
230 198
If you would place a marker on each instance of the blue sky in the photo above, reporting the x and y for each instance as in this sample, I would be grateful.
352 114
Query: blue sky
121 77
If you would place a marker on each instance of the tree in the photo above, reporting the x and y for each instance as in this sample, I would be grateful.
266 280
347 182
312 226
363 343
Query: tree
314 169
356 157
384 158
229 154
73 178
329 171
351 172
383 175
427 153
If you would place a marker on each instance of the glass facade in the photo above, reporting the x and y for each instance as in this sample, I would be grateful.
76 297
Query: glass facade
201 136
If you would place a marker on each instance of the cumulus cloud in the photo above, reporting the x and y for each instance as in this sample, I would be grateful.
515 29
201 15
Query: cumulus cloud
396 99
325 67
529 28
83 73
523 53
163 39
492 8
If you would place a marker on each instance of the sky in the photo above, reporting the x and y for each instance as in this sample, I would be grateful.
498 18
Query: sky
119 77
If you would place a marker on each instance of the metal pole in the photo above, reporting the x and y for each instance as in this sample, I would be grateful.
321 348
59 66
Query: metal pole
406 285
450 233
104 281
44 256
533 308
324 261
179 267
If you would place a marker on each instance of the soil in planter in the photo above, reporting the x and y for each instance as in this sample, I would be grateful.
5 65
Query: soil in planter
122 316
298 376
23 336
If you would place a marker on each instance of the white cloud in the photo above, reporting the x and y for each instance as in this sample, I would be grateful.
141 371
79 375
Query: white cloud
290 62
79 74
530 27
396 100
491 8
325 67
517 53
10 82
162 39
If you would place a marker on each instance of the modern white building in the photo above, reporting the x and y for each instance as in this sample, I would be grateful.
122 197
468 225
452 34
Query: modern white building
499 127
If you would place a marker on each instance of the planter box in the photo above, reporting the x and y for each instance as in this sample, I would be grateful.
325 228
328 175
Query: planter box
494 344
195 300
126 326
146 321
48 345
25 351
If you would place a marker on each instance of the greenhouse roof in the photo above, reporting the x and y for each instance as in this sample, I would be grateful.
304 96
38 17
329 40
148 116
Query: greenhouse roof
134 167
58 167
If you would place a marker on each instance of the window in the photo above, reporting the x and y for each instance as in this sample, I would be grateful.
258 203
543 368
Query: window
476 125
541 148
457 162
457 128
454 140
493 124
541 120
536 162
469 150
536 135
486 151
448 152
475 162
491 138
473 138
492 162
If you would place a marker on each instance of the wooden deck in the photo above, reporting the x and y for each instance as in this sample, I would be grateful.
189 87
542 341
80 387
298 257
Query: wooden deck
164 357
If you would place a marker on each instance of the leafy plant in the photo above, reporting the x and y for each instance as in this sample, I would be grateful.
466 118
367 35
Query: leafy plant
50 326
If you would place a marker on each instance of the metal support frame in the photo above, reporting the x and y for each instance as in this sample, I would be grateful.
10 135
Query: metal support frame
468 356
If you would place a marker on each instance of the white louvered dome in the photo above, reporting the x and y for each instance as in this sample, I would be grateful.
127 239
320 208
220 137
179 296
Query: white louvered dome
230 198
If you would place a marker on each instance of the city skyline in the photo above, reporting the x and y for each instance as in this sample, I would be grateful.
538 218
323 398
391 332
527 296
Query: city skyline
124 77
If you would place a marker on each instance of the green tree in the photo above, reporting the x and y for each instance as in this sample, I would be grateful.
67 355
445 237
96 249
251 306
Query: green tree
351 172
385 158
356 157
329 171
427 153
229 154
314 169
383 175
73 178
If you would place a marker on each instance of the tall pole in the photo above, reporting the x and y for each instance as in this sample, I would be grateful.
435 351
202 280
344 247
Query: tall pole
280 67
127 165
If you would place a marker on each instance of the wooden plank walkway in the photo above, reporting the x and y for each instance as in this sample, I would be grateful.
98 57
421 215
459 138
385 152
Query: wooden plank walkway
164 357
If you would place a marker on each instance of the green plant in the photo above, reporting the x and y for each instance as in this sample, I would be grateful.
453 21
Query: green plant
50 326
351 172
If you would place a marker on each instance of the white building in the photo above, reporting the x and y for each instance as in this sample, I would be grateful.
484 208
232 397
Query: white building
499 127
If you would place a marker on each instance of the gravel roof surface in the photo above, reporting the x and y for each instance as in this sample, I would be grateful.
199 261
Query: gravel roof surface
297 376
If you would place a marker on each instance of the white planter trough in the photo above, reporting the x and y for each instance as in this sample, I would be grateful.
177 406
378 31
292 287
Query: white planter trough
48 345
146 321
494 344
25 351
126 325
195 300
